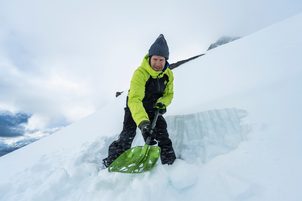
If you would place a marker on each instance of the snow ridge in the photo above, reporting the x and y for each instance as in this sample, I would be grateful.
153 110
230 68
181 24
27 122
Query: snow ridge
201 136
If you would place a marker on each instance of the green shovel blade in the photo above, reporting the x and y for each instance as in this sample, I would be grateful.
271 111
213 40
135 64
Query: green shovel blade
136 160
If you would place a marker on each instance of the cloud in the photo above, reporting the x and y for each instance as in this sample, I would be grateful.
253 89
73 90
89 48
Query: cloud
12 125
6 148
51 98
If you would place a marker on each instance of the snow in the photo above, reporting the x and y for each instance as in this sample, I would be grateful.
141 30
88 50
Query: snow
235 125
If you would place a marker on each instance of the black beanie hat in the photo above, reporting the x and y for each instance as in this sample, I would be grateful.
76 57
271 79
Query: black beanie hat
159 47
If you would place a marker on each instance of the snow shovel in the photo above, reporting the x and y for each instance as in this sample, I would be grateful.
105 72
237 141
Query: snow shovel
138 159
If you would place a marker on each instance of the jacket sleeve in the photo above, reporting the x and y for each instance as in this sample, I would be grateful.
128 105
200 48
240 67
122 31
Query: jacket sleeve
169 91
136 95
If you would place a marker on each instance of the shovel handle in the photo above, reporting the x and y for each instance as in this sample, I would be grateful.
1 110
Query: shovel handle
154 120
153 125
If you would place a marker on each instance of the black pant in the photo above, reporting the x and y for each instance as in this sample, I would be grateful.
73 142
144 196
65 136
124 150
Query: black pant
128 133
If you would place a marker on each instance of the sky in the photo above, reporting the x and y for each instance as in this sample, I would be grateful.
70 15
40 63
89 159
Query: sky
241 139
60 61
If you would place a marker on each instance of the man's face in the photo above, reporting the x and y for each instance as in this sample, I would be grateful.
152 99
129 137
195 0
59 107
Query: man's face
157 62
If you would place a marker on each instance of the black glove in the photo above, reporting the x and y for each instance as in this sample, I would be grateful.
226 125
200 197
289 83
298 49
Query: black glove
145 128
161 108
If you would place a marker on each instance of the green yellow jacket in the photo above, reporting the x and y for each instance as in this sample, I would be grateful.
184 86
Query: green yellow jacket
147 88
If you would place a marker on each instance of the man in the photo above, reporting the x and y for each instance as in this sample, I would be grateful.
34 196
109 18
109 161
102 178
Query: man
151 89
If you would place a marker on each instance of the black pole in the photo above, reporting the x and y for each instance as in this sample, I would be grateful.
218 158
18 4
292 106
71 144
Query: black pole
153 125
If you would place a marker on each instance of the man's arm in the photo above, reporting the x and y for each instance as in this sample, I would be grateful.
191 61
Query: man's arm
136 95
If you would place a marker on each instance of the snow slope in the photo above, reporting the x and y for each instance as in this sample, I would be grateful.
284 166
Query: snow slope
234 122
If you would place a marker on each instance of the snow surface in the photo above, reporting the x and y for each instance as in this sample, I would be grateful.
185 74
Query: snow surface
235 123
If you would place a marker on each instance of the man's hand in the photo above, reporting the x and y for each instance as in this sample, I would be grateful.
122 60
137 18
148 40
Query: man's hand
145 128
161 108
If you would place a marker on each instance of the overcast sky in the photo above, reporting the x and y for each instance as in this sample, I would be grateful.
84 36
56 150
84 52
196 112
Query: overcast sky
62 60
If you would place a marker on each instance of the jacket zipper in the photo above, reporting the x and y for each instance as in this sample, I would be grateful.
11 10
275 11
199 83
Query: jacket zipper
158 85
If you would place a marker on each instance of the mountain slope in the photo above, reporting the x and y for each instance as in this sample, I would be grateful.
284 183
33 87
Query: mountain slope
234 122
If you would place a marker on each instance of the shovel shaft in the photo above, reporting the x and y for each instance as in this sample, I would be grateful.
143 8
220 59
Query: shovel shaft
153 125
154 120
